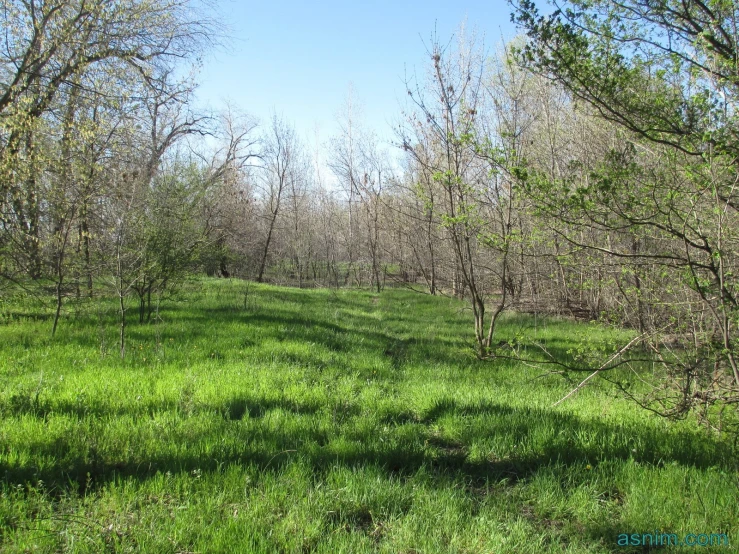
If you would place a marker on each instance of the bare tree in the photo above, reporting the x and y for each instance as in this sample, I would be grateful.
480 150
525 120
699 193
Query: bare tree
345 165
48 47
280 171
440 137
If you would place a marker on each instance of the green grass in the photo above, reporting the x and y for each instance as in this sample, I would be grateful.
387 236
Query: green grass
319 421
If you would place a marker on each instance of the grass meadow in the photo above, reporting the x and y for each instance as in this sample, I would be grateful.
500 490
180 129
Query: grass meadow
253 418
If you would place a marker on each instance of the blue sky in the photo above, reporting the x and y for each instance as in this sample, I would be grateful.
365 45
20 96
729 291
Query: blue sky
299 58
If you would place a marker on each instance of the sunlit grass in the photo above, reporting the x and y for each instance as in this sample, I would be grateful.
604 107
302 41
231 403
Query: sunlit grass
286 420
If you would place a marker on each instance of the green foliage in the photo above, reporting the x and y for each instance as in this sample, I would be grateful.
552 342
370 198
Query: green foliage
167 234
664 69
173 232
665 73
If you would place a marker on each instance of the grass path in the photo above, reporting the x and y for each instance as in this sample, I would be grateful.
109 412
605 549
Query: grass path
317 421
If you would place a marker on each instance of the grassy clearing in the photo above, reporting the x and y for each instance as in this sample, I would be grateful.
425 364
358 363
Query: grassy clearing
316 421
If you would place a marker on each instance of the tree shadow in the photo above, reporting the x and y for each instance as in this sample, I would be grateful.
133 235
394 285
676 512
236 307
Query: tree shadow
324 436
421 444
282 326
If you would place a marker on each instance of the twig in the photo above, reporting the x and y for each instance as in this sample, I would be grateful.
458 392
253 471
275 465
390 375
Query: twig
597 371
273 457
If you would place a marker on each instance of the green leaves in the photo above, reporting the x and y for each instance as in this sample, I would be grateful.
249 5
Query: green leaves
643 65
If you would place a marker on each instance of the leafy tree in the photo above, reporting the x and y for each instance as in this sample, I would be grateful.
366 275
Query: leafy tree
666 73
169 235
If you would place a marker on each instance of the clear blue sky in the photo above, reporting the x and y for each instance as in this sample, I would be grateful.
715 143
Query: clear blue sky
299 58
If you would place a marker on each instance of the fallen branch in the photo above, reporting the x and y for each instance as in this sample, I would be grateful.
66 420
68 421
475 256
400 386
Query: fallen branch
601 368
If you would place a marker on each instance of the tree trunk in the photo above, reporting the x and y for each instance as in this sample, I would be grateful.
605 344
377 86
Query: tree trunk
263 263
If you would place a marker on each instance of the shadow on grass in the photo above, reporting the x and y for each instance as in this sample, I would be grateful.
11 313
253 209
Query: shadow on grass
575 440
282 326
568 440
234 409
240 407
324 435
